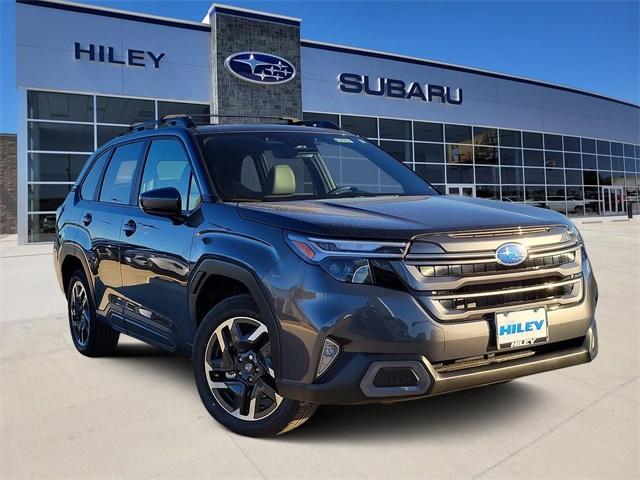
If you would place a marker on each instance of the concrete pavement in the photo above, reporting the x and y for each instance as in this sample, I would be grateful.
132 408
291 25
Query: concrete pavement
138 415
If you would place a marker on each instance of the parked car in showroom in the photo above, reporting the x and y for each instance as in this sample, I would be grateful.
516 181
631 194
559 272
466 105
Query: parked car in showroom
573 204
300 265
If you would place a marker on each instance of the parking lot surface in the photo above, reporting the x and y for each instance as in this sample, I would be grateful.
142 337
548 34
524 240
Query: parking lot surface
138 415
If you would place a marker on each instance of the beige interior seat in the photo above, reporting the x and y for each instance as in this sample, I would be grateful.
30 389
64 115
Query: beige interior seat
281 180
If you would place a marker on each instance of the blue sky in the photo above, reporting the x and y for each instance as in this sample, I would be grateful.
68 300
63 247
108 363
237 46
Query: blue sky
589 45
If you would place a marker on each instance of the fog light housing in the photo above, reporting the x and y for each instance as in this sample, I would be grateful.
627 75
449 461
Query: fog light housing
330 351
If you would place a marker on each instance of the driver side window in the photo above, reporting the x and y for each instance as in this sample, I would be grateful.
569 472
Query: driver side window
167 165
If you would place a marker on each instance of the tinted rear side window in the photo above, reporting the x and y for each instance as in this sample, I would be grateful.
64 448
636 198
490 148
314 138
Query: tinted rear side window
90 184
118 180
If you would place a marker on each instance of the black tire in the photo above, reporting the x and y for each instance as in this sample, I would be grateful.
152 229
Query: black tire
283 417
96 339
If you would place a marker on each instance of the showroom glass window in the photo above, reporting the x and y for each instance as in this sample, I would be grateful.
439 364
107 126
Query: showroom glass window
63 130
568 174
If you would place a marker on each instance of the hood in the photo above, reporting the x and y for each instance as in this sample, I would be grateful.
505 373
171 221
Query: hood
392 217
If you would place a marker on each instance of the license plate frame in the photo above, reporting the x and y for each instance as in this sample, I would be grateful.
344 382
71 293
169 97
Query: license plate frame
521 328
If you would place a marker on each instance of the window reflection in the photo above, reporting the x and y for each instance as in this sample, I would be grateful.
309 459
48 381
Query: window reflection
427 132
457 133
396 129
124 110
55 167
59 106
459 154
363 126
485 136
167 108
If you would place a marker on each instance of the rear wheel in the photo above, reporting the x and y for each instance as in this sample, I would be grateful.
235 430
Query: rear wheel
90 337
233 369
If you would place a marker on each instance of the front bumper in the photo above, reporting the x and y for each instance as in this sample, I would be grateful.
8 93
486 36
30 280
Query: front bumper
374 324
352 381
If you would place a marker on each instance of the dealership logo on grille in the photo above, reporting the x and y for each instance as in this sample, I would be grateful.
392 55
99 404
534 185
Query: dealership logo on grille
511 254
261 68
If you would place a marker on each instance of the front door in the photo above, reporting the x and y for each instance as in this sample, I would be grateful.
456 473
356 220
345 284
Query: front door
155 261
463 190
613 200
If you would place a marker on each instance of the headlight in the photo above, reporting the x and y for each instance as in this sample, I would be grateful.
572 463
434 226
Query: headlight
345 260
571 233
350 270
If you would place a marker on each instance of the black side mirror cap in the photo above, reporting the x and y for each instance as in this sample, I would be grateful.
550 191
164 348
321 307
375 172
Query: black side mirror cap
164 202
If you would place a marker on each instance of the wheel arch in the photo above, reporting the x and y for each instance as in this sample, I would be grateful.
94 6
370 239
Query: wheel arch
72 258
240 274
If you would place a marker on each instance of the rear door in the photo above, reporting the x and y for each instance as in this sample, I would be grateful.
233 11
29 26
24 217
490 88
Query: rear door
155 250
106 194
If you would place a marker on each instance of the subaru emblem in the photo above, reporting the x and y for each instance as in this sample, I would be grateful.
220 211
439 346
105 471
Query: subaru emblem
257 67
510 254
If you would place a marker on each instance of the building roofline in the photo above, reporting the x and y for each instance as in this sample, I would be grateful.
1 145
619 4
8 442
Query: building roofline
222 8
247 12
459 68
116 13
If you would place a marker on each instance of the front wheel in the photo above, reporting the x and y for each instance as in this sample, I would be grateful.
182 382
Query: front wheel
233 369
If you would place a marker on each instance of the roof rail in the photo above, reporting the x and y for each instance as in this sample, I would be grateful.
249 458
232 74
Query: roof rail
184 120
189 118
140 126
288 120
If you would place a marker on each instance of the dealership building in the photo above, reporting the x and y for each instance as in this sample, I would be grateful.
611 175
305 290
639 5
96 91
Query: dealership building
84 74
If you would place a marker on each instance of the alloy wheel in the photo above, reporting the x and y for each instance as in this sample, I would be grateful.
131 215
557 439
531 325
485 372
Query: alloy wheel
239 370
80 313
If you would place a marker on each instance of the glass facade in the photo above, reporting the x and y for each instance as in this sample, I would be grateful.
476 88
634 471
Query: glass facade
63 129
571 175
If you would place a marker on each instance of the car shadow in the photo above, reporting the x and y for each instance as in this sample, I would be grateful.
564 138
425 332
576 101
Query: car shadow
441 416
458 413
139 349
154 361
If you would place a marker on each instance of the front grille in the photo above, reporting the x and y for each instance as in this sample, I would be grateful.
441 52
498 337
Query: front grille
500 232
497 287
465 281
497 299
483 268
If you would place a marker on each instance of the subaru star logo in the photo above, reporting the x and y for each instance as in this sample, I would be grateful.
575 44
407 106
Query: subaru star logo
510 254
259 67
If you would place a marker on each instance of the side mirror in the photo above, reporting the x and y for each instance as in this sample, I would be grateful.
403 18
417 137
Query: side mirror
165 202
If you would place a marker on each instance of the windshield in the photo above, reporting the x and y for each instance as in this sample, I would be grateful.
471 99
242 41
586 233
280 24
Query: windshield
276 166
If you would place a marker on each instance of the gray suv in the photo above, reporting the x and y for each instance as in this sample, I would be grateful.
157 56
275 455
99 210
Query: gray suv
300 265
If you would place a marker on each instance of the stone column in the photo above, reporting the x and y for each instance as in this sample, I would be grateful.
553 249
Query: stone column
234 31
8 183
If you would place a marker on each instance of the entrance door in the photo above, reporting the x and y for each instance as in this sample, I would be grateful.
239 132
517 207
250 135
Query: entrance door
613 200
464 190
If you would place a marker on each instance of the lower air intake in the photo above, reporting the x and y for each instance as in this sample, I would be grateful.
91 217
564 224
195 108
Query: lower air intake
395 377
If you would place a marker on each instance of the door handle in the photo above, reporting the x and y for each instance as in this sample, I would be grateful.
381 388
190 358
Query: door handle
87 219
129 228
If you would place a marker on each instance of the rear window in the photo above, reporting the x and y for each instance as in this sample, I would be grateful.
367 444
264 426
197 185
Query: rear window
90 183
